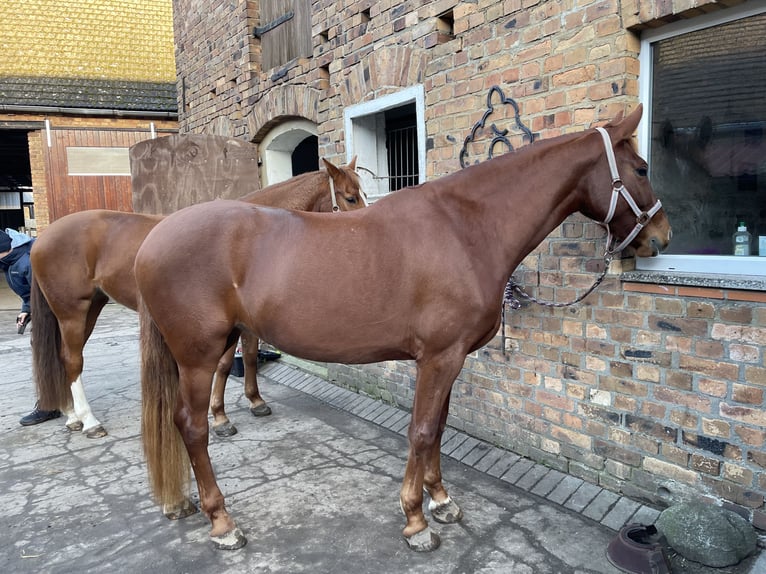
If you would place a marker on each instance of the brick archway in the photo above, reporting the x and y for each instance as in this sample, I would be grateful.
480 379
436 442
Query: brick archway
383 71
280 103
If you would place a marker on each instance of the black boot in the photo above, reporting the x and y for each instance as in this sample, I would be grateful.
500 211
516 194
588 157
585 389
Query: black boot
264 356
38 416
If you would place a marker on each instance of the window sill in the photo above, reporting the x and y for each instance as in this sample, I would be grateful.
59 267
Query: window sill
716 286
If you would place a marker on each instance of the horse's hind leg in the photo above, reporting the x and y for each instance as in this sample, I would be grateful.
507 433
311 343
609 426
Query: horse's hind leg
432 391
258 407
75 331
191 420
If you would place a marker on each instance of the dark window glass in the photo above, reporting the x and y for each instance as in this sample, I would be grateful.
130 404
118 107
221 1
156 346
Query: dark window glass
707 148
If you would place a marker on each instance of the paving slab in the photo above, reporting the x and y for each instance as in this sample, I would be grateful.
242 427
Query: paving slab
314 487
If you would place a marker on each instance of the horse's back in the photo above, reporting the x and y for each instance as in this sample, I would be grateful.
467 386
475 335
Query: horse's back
298 275
89 249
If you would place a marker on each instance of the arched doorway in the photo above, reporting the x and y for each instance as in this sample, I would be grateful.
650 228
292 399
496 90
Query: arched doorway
289 149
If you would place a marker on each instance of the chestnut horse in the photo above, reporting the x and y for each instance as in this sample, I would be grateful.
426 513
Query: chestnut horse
85 258
431 263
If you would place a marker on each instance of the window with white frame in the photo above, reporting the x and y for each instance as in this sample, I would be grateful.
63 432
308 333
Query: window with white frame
388 137
703 82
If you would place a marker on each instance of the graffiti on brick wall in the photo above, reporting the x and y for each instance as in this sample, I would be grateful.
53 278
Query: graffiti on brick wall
490 137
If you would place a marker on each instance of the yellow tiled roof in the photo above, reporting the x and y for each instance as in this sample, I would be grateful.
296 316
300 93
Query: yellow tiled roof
95 39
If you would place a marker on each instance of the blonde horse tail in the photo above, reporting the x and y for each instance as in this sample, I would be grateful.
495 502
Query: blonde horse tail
53 390
166 458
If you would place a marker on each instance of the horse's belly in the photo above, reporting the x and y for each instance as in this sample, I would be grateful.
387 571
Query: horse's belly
335 338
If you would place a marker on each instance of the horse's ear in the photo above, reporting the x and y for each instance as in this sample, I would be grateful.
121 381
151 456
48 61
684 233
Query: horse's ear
331 169
624 130
352 164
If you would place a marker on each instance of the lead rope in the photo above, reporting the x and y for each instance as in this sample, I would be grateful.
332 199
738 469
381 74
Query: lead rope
511 287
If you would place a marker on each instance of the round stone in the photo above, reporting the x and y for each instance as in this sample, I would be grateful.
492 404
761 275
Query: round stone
707 534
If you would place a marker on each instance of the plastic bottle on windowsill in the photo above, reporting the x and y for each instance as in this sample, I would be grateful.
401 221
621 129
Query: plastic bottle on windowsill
742 240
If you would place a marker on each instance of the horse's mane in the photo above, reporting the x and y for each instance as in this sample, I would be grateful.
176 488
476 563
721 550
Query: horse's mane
297 180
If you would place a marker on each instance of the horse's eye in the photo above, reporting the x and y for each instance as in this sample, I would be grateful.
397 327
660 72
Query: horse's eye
351 200
642 171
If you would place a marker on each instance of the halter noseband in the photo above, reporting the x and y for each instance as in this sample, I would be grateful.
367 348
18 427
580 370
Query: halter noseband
335 207
618 189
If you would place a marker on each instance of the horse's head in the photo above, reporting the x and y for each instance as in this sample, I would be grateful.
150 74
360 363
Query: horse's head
345 187
627 206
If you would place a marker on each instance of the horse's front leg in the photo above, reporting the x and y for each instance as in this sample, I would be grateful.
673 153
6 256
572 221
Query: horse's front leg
222 426
432 390
443 509
258 407
191 420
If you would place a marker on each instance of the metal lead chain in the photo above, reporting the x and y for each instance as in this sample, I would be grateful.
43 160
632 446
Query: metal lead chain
512 288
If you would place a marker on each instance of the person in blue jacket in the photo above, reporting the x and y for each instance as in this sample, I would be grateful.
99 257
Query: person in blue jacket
14 262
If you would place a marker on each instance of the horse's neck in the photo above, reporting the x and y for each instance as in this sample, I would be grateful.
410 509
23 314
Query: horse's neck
528 193
302 192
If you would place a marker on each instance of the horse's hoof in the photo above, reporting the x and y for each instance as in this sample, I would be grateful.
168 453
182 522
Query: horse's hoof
446 512
96 432
182 510
424 541
225 429
262 410
75 426
229 541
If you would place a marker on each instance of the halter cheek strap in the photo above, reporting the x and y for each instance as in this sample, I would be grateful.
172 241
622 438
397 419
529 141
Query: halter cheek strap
618 189
335 207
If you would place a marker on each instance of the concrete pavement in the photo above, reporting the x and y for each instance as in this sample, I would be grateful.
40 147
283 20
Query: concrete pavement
314 487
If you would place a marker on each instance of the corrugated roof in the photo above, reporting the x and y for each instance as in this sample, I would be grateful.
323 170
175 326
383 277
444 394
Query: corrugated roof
88 53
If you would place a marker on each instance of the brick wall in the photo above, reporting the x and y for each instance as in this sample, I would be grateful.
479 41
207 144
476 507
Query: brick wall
656 391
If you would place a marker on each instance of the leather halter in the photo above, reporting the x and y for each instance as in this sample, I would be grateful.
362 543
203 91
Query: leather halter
335 207
618 189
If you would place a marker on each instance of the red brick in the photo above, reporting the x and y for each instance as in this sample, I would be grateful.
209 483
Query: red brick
744 414
736 314
703 292
747 394
755 376
709 367
705 465
680 380
625 386
677 325
751 436
669 306
700 309
690 400
709 349
713 387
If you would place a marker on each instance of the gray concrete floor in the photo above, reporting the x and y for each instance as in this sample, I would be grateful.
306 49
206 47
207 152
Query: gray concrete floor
314 486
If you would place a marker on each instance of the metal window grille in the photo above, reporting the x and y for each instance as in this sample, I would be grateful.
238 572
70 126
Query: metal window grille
403 169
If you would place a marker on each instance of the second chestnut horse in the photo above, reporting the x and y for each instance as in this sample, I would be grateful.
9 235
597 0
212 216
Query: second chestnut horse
84 259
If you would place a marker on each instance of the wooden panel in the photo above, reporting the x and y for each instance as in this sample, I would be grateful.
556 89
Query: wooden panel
173 172
69 194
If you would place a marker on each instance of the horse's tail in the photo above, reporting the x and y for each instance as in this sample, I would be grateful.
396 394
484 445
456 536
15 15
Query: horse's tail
53 390
166 458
